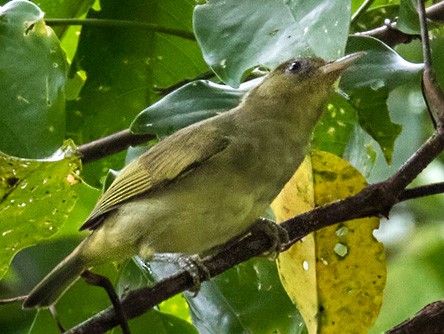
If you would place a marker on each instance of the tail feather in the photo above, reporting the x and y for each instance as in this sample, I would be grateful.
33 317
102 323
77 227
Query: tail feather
56 282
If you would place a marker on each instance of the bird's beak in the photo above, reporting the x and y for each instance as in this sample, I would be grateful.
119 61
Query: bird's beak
341 63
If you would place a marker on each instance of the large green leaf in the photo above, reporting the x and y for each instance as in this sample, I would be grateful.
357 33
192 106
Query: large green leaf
339 132
32 80
369 82
381 67
193 102
36 197
134 276
237 35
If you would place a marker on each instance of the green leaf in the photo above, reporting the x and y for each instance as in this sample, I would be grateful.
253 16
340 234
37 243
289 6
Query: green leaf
381 67
123 67
33 76
339 132
187 105
161 323
237 35
360 151
375 119
408 21
37 196
336 126
64 8
369 83
246 299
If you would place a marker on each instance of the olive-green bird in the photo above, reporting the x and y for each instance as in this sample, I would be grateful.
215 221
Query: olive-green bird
206 183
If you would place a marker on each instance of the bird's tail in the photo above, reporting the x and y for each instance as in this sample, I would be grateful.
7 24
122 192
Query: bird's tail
57 281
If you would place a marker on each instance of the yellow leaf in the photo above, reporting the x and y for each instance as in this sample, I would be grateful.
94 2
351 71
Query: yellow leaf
336 275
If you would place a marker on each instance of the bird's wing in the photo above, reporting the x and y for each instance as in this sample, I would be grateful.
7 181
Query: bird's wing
158 167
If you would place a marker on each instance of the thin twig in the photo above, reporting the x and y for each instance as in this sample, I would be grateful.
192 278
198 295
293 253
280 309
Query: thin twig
111 144
361 10
108 23
433 94
424 34
422 191
13 300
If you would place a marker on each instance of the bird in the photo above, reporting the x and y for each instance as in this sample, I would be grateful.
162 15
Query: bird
206 183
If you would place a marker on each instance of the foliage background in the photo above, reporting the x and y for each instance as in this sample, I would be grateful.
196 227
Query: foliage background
111 74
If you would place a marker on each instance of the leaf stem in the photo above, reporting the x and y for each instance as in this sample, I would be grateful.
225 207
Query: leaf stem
108 23
424 35
361 10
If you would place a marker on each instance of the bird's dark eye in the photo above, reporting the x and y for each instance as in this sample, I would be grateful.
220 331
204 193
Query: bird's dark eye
295 66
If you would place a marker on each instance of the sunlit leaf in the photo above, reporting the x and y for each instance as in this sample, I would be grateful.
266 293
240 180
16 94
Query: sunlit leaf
36 197
338 270
63 9
336 126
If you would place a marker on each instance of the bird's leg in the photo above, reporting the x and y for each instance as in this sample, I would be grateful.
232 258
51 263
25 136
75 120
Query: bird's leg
192 264
277 234
104 282
54 314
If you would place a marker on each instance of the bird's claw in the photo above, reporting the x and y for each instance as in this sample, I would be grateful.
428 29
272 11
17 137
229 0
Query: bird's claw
277 234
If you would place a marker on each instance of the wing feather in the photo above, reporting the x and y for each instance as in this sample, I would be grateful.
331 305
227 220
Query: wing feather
158 167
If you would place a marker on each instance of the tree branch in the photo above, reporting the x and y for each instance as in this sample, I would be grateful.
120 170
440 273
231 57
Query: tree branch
429 320
111 144
390 35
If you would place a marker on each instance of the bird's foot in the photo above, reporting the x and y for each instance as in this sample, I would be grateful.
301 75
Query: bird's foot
277 234
192 264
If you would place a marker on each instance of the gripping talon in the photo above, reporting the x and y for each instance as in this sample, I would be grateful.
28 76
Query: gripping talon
192 264
277 234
